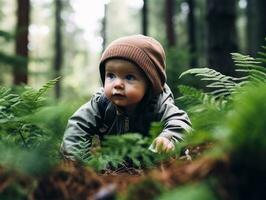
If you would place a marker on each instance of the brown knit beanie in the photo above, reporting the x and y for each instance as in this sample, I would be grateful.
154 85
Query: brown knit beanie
145 52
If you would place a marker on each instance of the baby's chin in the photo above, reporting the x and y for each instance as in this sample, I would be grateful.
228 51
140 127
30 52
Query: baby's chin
120 104
124 106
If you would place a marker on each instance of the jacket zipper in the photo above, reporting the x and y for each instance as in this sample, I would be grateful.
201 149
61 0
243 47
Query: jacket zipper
126 125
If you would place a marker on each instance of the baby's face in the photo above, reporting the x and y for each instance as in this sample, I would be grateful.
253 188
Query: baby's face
125 84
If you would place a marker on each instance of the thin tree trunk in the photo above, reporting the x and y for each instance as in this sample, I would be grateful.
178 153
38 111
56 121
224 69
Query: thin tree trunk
192 34
58 59
145 18
221 38
169 18
256 25
104 24
20 73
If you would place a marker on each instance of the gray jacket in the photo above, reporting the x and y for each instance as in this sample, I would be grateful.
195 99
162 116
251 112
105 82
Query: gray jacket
99 116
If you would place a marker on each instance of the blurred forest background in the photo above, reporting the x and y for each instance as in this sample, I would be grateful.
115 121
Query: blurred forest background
44 39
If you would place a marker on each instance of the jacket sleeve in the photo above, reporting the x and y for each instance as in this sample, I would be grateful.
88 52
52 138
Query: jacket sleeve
81 127
175 121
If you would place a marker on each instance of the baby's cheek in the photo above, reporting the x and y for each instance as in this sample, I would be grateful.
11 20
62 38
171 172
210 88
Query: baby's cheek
138 94
107 91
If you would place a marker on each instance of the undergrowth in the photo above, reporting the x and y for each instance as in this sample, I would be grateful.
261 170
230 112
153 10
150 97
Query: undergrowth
22 141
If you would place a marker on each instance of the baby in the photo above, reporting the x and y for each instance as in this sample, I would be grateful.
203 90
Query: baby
134 95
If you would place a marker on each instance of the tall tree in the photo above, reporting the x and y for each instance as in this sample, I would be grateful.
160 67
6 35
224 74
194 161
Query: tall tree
169 19
256 25
58 57
192 33
145 18
221 34
104 24
20 72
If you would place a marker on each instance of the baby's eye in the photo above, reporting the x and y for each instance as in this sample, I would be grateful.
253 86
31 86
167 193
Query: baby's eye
130 77
110 75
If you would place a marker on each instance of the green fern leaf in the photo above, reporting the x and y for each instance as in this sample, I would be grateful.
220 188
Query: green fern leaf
46 86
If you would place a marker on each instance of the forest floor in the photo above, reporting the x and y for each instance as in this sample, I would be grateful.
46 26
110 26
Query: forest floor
71 180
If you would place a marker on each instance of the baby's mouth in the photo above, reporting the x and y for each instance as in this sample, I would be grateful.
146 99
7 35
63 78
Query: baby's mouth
118 95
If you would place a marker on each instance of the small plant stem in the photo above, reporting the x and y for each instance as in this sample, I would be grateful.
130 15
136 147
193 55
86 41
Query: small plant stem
23 140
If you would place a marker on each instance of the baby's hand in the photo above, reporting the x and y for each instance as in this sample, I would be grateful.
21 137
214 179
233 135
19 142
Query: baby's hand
162 144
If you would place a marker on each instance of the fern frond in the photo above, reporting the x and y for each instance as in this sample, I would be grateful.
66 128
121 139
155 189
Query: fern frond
218 80
31 100
84 153
262 55
116 151
223 83
47 86
7 99
209 74
193 96
15 110
251 66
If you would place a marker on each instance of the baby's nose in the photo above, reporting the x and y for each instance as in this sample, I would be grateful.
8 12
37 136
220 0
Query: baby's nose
119 83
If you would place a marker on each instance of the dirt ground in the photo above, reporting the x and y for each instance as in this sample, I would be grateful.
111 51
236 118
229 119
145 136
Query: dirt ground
71 180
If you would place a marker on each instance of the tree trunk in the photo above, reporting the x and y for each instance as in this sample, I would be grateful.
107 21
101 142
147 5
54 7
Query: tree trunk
192 34
20 73
221 38
169 19
256 25
58 57
145 18
104 24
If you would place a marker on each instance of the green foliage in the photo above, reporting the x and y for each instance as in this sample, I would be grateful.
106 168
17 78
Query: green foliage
127 150
195 97
53 118
247 126
246 142
262 54
117 151
34 161
15 106
14 110
253 67
22 141
207 108
223 86
199 191
237 125
155 129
